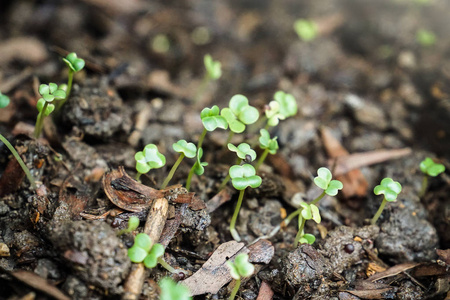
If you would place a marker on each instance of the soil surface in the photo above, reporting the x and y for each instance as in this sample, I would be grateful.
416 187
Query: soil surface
373 102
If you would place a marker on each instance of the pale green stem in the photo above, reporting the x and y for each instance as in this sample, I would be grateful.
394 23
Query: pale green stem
166 266
189 178
230 136
202 137
235 289
300 232
138 175
378 214
318 198
233 230
225 181
261 159
19 160
39 121
172 171
424 187
69 88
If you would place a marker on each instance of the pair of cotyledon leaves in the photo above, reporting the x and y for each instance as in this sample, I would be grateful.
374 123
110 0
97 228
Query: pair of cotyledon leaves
149 158
236 116
323 181
265 142
145 251
50 92
282 107
170 290
213 68
73 62
429 167
242 150
241 267
389 188
244 176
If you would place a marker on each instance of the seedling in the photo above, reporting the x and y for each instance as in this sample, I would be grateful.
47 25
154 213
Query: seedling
45 106
429 168
311 211
244 152
284 106
148 159
197 168
307 30
185 149
238 114
170 290
241 178
390 189
211 120
144 250
213 72
239 269
133 223
269 145
4 102
425 38
75 65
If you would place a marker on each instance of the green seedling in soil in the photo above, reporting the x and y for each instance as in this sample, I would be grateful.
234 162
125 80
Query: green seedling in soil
425 38
144 250
429 168
185 149
239 114
306 30
170 290
310 211
283 107
268 145
148 159
390 189
133 223
211 119
213 72
4 102
244 153
197 168
242 177
75 65
45 104
239 269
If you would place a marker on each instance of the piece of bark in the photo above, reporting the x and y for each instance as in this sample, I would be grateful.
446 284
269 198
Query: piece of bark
154 225
220 198
142 118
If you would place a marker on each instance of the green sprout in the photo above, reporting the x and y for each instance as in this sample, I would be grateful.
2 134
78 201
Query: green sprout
133 223
45 106
75 65
213 72
390 189
308 211
147 252
148 159
238 114
197 168
211 119
170 290
429 168
4 102
185 149
244 152
426 38
306 30
284 106
242 177
268 145
240 268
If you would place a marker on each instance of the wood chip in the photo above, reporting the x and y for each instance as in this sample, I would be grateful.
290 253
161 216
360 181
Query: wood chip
39 284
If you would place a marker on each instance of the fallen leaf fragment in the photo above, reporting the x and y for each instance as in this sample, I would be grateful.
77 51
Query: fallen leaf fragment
444 255
265 292
392 271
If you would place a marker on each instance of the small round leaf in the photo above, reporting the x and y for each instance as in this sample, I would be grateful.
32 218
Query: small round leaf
389 188
136 254
189 149
143 241
4 101
242 150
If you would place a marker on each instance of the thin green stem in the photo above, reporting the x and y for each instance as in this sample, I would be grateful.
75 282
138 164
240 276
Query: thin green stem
318 198
235 289
39 121
69 88
292 215
201 138
224 182
300 232
189 178
172 171
233 230
261 159
230 136
138 175
424 187
378 214
19 160
166 266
